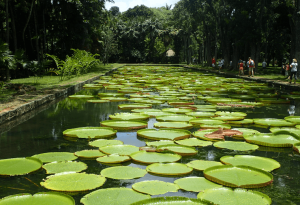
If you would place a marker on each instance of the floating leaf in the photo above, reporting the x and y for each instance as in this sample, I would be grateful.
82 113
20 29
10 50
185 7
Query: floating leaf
242 122
174 125
90 132
19 166
238 176
153 157
66 166
263 163
221 126
158 143
227 196
89 154
129 116
293 119
119 149
172 200
123 172
145 110
155 187
201 134
201 114
245 131
296 147
174 118
124 125
169 169
273 122
236 114
271 140
238 146
55 156
157 113
111 94
195 184
81 96
290 129
178 149
176 110
194 142
114 99
98 101
166 134
115 196
206 121
103 143
72 182
113 158
134 106
202 164
45 198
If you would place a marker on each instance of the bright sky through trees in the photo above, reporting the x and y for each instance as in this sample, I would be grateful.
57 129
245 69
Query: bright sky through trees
124 5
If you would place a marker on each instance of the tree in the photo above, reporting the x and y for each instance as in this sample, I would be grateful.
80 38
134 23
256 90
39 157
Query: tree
114 10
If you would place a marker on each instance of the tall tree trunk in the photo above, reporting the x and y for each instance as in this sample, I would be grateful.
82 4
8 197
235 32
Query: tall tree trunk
26 24
7 36
208 48
13 26
297 31
36 35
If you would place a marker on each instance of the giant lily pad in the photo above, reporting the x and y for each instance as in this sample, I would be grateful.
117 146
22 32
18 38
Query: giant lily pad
66 166
55 156
263 163
227 196
242 122
201 114
72 182
176 200
194 142
174 118
202 165
238 176
98 101
195 184
134 106
289 129
164 134
175 125
115 196
45 198
119 149
273 122
129 116
169 169
153 157
90 132
178 149
124 125
157 113
113 158
271 140
155 187
111 94
297 147
176 110
238 146
201 134
237 114
145 110
81 96
293 119
245 131
206 121
103 143
90 154
123 172
19 166
158 143
114 99
228 118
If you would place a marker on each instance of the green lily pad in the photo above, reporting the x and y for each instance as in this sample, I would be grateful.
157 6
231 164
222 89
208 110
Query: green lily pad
273 122
176 200
157 113
113 158
242 122
129 116
45 198
115 196
145 110
81 96
194 142
174 118
195 184
176 110
228 118
227 196
208 126
222 100
66 166
245 131
119 149
169 169
103 142
155 187
296 147
238 176
98 101
202 164
174 125
90 154
134 106
114 99
158 143
263 163
111 94
124 125
238 146
180 103
237 114
123 172
204 106
271 140
293 119
290 129
201 134
178 149
164 134
272 100
90 132
153 157
19 166
55 156
199 121
201 114
72 182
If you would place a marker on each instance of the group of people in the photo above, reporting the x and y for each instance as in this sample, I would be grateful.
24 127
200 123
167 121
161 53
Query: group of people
250 64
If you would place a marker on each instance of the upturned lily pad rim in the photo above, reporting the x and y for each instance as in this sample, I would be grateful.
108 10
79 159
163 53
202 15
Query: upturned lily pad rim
32 159
104 149
251 146
158 185
93 128
132 116
78 153
108 173
171 147
91 143
253 140
185 133
184 125
72 157
188 169
179 181
162 200
219 181
162 118
64 162
121 158
140 124
134 155
19 196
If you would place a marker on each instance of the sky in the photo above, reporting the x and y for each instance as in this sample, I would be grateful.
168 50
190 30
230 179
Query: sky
124 5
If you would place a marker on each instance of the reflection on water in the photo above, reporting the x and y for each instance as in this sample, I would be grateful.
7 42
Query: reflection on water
43 133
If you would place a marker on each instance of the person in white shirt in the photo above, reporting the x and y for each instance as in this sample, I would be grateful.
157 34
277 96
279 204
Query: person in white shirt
293 68
264 64
220 64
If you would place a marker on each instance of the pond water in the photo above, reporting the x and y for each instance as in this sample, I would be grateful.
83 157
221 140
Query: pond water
43 133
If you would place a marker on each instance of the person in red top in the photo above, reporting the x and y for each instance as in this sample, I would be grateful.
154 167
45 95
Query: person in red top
287 68
241 67
213 62
251 67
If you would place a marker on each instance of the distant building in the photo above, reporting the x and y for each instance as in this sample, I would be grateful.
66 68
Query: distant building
170 53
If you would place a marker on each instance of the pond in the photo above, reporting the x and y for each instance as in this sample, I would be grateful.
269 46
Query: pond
44 133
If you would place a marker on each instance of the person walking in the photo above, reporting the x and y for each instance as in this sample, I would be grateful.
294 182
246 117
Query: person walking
213 62
264 64
293 67
251 67
220 64
287 70
241 67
